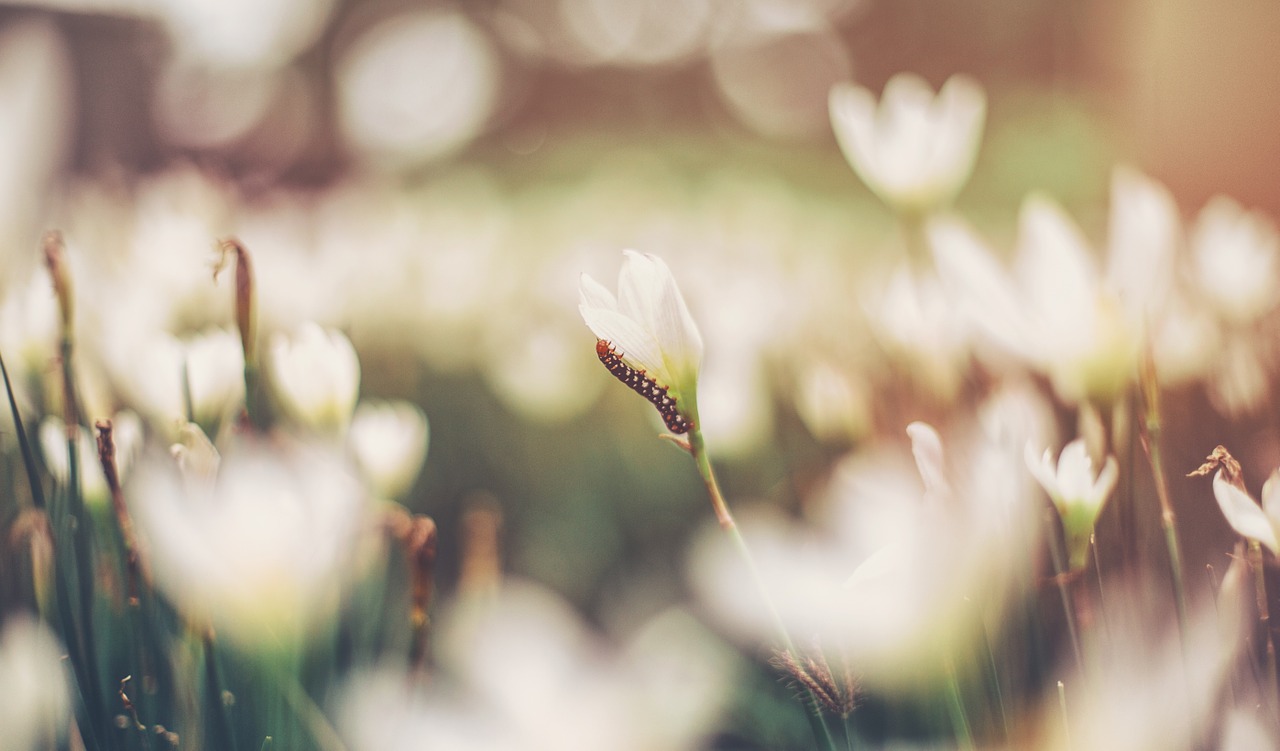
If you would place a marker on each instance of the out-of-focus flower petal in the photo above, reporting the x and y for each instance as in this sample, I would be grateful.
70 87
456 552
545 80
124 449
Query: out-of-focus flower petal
1244 515
916 150
389 440
316 374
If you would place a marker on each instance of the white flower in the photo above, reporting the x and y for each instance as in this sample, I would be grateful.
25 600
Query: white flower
1076 491
1260 523
529 674
316 376
915 150
215 372
196 456
389 441
649 328
1235 255
1056 313
265 551
1149 684
913 320
151 373
910 565
37 706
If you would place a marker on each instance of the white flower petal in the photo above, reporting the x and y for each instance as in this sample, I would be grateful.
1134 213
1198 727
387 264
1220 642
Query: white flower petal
633 342
1042 468
649 326
593 294
1244 516
1106 480
926 447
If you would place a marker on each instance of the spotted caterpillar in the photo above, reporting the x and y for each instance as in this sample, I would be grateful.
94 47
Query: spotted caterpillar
645 386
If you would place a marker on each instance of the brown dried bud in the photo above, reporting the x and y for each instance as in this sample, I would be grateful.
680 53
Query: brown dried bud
1221 459
55 260
244 295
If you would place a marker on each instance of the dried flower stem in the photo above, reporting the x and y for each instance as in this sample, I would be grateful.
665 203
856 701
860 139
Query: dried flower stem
71 520
419 536
246 322
697 447
1264 618
135 565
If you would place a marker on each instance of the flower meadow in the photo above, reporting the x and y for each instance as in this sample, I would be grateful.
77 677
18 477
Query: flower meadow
627 446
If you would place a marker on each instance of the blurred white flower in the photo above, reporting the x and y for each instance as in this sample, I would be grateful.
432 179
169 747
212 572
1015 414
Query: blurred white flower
649 328
263 553
196 456
37 706
1148 685
417 86
215 373
833 403
1235 254
35 122
531 675
915 150
1076 491
1143 239
1251 520
242 33
316 375
151 375
906 569
389 441
912 320
1056 314
1243 730
29 325
127 435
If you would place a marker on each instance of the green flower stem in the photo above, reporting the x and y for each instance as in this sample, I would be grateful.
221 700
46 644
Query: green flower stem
995 681
1151 427
697 447
955 704
223 732
323 735
1069 611
850 735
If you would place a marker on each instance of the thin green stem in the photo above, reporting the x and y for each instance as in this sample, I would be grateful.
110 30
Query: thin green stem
955 704
1068 610
697 447
850 734
79 528
1151 445
224 733
304 708
24 445
995 679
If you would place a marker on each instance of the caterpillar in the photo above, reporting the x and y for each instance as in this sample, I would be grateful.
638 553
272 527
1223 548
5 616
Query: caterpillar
645 386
